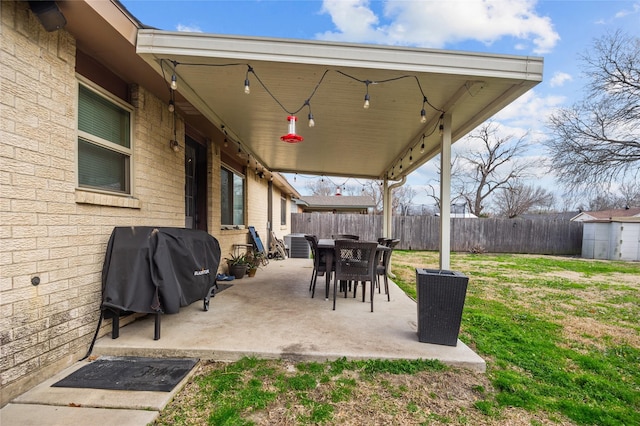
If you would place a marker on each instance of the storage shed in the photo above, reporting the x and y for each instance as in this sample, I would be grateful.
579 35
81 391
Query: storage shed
612 239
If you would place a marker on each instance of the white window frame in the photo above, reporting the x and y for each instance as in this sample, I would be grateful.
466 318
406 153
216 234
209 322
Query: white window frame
242 176
103 143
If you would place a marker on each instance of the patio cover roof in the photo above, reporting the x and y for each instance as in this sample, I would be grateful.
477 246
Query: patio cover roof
347 139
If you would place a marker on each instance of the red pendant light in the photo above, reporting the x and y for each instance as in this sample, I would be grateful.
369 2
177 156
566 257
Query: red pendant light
292 137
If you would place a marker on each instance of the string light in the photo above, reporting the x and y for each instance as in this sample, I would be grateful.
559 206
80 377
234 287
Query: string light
312 122
247 89
410 155
174 78
422 146
366 96
423 113
173 85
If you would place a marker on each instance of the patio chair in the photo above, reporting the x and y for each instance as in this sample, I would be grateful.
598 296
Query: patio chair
355 261
345 237
319 263
382 268
344 284
384 241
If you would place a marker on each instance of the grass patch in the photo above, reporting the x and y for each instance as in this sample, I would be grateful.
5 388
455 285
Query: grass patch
535 366
560 336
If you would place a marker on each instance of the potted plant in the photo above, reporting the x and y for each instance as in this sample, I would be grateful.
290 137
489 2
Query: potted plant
238 265
255 259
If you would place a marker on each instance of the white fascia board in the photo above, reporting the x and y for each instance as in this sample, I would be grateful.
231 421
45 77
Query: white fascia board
169 43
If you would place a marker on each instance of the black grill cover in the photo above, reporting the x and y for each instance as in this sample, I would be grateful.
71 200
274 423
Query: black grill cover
151 270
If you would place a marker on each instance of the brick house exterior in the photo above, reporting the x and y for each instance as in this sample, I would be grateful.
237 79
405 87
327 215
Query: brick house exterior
53 231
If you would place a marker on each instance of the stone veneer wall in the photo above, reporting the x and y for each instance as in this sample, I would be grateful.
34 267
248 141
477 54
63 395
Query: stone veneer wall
50 231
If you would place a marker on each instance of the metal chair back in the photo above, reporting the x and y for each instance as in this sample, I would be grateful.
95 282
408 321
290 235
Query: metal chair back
345 237
355 261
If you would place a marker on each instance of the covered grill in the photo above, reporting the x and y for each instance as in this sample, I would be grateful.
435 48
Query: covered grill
157 270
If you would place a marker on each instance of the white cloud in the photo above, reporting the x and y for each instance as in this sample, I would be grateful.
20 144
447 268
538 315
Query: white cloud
436 24
530 110
635 8
188 28
559 78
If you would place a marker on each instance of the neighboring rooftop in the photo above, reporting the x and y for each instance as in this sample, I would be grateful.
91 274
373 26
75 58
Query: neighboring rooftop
607 214
339 203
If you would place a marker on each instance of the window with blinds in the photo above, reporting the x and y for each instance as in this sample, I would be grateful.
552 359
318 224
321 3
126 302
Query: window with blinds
104 142
231 197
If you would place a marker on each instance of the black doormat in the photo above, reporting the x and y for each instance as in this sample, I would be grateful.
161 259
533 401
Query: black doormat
130 373
222 287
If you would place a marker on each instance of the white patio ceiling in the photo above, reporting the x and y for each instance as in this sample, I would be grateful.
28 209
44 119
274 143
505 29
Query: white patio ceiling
347 139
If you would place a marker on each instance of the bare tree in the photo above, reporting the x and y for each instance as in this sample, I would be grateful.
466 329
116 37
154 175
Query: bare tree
517 198
374 190
321 187
480 173
597 141
401 199
627 195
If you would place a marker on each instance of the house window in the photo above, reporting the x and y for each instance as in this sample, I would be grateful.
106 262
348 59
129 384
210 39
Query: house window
104 142
283 211
232 197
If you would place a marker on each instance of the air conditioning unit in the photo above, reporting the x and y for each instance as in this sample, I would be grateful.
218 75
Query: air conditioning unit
298 246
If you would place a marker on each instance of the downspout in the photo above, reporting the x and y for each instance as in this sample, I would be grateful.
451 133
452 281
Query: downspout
387 207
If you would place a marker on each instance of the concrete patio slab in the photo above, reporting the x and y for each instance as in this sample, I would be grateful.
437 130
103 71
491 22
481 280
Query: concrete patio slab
272 315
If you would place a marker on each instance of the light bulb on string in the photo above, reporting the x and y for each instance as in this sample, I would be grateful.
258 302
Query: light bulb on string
410 155
172 106
226 143
247 89
311 121
174 82
423 113
422 146
366 96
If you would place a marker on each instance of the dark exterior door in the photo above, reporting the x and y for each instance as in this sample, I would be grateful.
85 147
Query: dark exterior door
195 185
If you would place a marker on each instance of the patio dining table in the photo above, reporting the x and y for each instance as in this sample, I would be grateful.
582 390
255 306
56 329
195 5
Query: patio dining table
327 247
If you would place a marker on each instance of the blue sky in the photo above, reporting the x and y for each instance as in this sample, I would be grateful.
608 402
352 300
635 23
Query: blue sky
559 31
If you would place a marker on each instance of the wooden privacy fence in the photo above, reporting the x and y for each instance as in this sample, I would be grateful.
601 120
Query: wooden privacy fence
423 232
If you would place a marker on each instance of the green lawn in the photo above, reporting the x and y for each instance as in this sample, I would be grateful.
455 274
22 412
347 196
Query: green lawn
561 337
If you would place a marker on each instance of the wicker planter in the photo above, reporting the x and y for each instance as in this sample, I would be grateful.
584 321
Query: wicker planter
441 297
